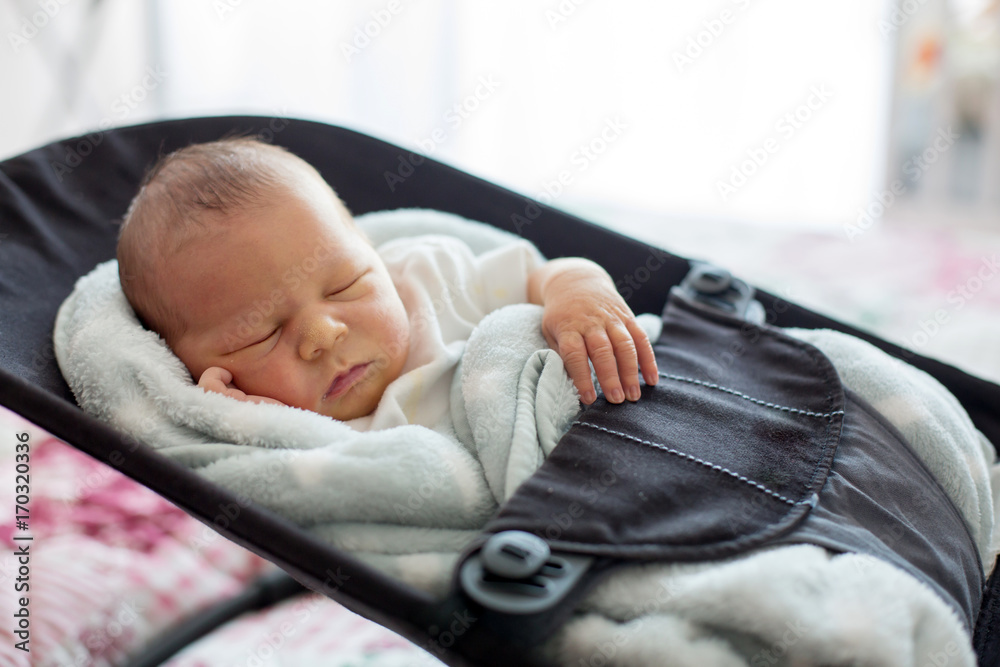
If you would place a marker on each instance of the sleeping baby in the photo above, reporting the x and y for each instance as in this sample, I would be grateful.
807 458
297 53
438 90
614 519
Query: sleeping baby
244 260
252 271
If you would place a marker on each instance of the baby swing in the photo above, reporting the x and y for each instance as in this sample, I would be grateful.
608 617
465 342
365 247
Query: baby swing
59 204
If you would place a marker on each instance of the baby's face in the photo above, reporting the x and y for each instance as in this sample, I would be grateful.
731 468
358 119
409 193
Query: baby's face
295 303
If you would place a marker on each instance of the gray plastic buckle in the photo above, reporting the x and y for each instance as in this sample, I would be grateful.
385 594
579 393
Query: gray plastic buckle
516 573
715 287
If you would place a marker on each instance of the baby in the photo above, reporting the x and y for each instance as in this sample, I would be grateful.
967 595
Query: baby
247 264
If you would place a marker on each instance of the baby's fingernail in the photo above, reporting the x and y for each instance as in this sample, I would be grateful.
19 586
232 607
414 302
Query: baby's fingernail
634 393
588 396
617 396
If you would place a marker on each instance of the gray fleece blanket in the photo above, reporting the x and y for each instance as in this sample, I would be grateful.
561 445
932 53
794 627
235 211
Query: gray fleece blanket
410 498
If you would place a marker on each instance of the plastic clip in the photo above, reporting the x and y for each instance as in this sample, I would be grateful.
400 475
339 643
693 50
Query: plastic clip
516 573
715 287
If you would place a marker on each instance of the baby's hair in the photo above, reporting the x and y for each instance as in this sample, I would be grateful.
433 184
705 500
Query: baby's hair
190 192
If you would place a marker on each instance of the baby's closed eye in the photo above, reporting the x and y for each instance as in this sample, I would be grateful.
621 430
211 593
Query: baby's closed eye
252 341
272 334
350 289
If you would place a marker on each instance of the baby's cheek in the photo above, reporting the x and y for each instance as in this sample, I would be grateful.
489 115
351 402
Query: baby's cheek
270 382
393 331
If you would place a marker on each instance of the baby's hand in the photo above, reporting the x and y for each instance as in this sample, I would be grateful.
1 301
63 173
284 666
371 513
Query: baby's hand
586 318
220 381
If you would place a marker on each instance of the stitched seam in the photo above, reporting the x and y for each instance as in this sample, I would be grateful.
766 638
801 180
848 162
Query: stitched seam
695 459
775 406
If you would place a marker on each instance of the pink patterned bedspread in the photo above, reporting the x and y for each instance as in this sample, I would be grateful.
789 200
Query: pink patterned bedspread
112 565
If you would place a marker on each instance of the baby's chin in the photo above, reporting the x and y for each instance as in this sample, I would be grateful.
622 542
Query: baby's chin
346 415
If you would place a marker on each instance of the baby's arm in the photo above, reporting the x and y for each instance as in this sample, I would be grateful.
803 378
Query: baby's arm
586 318
220 381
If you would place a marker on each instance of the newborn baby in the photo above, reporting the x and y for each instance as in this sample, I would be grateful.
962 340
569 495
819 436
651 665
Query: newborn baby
247 264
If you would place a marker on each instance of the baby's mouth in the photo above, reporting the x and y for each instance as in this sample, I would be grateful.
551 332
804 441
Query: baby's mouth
343 382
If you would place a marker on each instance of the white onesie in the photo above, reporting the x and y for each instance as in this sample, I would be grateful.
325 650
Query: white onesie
446 290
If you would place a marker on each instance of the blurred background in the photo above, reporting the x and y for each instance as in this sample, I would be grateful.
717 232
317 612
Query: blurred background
767 111
843 155
684 92
864 134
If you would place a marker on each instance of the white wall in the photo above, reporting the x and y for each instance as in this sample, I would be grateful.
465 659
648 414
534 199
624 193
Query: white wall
559 75
67 67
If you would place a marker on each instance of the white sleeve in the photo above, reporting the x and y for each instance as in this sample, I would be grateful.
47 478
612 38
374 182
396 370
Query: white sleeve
502 274
454 279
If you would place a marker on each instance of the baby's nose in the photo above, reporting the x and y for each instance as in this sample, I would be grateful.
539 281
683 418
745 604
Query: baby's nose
319 334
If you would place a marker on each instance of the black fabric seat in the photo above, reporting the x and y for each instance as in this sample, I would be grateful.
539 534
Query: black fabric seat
58 210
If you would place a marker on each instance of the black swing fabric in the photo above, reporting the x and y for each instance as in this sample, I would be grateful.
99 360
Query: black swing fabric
766 449
59 207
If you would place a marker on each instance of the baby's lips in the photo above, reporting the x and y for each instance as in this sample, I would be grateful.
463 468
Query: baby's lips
344 381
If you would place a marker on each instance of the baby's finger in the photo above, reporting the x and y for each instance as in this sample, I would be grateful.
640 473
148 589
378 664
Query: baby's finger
628 364
644 350
215 379
573 351
602 355
261 399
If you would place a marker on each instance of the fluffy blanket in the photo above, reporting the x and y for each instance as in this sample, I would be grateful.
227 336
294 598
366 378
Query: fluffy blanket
409 498
801 605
